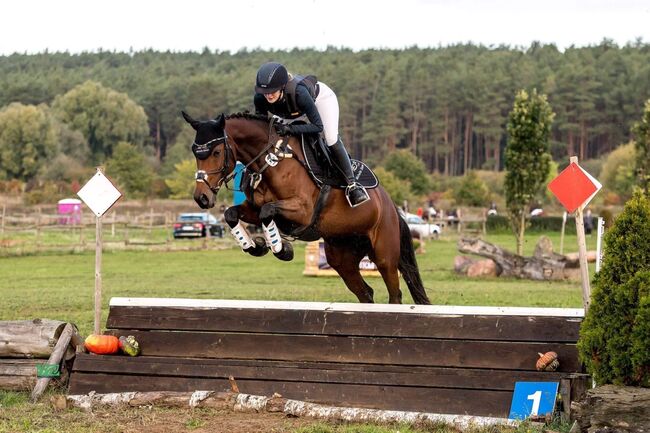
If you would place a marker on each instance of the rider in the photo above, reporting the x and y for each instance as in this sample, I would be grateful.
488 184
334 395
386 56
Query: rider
320 109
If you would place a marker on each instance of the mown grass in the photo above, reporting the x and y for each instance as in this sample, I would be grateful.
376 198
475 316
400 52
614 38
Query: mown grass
61 286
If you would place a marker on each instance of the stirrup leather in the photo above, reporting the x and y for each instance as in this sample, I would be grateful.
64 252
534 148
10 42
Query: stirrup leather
353 186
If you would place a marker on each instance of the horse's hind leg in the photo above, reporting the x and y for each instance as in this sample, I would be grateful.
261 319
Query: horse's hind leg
345 259
385 254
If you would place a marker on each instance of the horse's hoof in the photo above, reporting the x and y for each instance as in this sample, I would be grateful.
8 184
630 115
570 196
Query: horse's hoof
286 253
260 249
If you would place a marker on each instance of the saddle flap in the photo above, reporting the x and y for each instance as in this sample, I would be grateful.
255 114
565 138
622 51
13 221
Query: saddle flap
320 166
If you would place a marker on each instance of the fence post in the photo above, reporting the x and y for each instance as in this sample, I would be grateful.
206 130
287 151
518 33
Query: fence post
4 209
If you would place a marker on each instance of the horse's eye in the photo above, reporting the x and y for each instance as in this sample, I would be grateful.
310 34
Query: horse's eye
216 153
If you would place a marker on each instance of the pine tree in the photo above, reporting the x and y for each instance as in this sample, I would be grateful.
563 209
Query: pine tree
614 343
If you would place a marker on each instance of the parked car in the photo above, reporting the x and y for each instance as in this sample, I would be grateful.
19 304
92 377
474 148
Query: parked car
420 227
196 225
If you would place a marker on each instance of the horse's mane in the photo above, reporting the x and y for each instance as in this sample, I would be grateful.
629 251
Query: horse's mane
247 115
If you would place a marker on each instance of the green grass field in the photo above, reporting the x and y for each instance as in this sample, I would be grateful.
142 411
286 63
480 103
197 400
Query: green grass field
61 286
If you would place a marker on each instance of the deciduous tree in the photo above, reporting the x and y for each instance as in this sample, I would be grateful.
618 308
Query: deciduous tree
527 160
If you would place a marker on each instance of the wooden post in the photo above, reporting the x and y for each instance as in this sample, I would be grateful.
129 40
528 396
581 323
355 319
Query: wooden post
98 275
582 253
113 223
55 358
564 216
38 229
150 220
4 209
126 228
599 243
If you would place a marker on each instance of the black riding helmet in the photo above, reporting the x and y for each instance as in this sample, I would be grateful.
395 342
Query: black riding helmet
271 77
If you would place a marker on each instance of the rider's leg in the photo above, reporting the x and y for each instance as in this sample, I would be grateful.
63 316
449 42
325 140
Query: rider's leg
355 192
328 109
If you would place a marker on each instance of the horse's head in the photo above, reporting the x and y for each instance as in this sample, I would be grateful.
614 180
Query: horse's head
214 158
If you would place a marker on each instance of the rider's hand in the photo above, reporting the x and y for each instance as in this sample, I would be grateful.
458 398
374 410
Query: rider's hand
283 130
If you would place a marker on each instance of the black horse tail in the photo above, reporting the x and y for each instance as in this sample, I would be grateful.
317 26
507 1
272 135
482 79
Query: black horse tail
408 266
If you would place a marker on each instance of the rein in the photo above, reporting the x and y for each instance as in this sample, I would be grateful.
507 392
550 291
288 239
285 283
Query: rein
271 160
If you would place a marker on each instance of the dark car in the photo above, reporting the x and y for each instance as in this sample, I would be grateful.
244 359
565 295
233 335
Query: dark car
196 225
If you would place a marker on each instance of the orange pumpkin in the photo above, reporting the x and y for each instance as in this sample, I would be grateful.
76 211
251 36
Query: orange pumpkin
547 361
101 344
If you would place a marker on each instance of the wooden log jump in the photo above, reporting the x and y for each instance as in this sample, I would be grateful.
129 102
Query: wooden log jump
448 360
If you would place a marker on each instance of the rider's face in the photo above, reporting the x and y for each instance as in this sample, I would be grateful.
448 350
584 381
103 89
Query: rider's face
273 97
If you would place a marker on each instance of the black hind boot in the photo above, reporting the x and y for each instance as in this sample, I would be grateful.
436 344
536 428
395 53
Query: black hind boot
355 193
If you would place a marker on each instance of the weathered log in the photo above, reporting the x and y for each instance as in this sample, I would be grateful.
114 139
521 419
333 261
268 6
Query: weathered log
256 403
544 265
18 374
29 338
613 409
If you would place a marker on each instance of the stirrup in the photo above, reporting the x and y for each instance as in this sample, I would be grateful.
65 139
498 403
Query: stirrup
353 186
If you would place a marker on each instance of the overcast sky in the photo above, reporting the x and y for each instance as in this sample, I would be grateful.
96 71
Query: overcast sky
33 26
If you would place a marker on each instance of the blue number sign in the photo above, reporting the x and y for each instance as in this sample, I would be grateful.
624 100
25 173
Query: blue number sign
533 399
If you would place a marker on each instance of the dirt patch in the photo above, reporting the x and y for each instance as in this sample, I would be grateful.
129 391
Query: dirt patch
44 417
204 421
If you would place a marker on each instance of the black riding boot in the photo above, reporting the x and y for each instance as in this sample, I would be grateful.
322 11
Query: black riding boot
355 193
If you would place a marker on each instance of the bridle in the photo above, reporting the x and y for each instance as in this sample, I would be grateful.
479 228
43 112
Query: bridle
207 148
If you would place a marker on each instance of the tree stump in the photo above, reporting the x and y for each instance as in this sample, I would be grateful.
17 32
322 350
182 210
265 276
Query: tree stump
613 409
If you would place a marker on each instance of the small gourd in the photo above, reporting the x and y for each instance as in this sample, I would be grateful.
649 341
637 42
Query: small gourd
101 344
547 362
129 345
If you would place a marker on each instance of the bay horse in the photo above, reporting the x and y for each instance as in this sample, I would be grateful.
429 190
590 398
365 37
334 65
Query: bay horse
287 203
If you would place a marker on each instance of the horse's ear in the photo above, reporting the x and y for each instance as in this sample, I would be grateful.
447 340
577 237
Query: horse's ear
190 120
221 121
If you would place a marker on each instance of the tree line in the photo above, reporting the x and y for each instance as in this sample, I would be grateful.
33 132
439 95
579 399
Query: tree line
448 105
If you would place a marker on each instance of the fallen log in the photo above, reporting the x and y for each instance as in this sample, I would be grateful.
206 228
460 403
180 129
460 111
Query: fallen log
255 403
29 338
543 265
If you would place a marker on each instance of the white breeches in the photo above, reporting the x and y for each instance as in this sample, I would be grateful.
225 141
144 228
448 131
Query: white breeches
328 109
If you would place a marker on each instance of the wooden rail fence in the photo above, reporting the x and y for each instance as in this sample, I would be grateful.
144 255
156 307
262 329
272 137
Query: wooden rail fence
452 360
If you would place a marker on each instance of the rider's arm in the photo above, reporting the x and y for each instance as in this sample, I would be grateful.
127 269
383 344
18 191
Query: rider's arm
261 106
307 106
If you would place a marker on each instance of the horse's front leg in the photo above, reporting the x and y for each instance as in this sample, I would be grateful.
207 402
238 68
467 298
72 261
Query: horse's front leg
281 249
255 246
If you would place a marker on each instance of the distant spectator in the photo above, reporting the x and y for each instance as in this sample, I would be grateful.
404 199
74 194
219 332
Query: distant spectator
588 220
405 206
420 212
452 216
431 211
493 209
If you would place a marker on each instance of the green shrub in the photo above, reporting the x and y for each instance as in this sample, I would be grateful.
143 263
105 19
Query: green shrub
614 339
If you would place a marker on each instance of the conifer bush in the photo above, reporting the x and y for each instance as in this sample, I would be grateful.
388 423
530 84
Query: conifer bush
614 339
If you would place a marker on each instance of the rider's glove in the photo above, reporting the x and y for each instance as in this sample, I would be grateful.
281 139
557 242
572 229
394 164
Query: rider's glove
283 130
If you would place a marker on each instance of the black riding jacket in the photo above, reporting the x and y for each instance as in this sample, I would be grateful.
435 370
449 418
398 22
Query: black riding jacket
305 103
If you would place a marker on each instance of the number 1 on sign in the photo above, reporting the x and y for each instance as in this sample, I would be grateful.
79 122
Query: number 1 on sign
542 395
536 397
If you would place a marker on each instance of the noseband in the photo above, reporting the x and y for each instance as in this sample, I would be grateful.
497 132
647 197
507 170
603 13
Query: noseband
203 151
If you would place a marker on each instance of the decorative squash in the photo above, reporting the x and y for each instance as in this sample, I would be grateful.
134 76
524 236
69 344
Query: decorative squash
101 344
129 345
547 361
